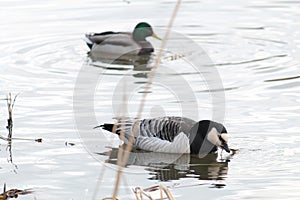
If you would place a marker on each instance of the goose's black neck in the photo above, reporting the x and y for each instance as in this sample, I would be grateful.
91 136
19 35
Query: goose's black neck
198 142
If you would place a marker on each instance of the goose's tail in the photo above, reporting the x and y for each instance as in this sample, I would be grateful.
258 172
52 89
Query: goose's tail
88 41
108 127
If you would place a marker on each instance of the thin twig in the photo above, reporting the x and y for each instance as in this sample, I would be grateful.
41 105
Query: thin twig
4 192
9 120
161 189
141 107
24 139
140 193
161 192
10 105
13 103
149 83
167 192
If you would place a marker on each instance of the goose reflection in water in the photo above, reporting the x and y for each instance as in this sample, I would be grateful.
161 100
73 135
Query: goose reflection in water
167 167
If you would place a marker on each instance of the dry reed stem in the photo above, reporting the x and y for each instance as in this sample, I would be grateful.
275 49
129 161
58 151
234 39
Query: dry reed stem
161 192
148 84
140 193
10 105
167 192
4 197
147 88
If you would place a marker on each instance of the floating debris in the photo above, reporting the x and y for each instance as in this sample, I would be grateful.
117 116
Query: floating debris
164 193
233 151
13 193
69 144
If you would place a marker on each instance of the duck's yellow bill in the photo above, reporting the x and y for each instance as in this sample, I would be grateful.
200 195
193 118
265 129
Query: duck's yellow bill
156 36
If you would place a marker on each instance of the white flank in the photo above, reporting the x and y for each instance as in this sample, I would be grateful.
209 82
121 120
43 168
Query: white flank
180 144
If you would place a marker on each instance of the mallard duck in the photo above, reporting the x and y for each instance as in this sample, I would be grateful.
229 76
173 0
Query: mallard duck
112 45
174 135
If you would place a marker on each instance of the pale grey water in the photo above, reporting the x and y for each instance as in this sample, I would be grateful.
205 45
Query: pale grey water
255 46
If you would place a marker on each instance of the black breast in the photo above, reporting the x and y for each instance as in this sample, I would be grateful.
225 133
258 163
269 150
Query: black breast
146 48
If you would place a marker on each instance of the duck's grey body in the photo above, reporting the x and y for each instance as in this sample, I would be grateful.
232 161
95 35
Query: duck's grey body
172 134
120 45
113 46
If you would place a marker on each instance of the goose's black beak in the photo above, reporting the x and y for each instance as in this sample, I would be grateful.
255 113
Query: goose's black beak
225 147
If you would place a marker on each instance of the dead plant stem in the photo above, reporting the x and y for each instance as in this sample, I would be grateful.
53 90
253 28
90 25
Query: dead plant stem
128 148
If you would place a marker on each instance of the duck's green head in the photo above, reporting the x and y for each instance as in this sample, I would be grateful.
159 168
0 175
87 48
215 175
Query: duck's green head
143 30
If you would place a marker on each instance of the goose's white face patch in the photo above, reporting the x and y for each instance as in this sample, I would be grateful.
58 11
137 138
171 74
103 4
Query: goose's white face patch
224 136
213 137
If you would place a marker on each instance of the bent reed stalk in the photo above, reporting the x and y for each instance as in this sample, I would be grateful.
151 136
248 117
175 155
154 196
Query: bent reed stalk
123 159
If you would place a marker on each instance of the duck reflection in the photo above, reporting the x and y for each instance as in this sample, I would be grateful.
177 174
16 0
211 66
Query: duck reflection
139 63
166 167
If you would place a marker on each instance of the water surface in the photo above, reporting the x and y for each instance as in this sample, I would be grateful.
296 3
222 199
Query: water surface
255 47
